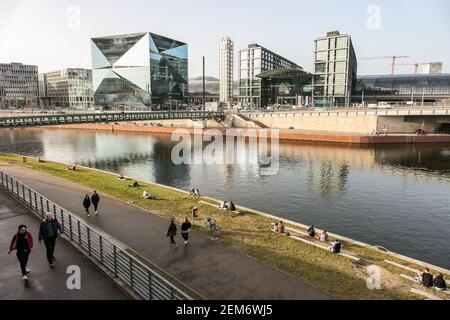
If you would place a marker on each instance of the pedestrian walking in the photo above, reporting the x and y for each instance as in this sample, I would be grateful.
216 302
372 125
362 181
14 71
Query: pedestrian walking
87 204
95 199
22 241
48 232
172 232
186 230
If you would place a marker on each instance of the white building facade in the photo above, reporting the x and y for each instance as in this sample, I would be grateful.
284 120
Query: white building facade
68 89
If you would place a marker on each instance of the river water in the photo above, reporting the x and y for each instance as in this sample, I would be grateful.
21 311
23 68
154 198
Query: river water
395 196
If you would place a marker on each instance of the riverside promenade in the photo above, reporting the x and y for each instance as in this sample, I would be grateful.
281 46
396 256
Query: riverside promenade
46 283
213 270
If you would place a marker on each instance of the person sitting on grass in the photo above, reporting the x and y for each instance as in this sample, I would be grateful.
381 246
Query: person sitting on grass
335 247
426 278
121 177
134 185
324 237
312 232
72 168
281 227
439 282
222 205
232 207
275 228
197 192
148 196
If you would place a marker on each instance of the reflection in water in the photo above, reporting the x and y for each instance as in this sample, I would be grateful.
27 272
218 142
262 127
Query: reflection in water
395 196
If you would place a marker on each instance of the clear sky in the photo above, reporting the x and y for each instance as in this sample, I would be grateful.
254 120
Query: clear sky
55 34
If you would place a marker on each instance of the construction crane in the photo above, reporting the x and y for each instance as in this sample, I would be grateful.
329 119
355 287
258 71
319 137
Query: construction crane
394 59
416 65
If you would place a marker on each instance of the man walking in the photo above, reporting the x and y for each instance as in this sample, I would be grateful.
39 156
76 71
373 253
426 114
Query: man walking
23 243
87 204
95 199
49 232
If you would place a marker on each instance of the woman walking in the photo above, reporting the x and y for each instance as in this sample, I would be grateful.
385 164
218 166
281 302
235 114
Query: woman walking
185 230
23 243
172 232
87 204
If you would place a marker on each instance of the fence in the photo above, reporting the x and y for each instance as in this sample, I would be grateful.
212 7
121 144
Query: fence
109 252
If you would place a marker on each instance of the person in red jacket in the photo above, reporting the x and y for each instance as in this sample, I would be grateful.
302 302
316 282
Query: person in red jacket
22 242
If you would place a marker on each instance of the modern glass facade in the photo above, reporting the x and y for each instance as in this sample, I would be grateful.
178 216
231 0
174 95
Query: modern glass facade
139 70
226 61
253 61
335 69
19 86
286 87
415 87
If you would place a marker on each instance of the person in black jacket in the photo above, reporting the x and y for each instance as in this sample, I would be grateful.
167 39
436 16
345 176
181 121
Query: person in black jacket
172 232
426 278
23 243
87 204
48 232
439 282
185 230
95 199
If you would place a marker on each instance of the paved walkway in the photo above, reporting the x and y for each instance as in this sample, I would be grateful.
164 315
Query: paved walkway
213 270
46 283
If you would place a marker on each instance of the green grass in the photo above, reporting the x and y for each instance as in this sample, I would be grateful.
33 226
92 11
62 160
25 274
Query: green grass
248 233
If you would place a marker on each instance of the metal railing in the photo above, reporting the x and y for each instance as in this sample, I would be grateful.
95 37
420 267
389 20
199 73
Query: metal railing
64 119
109 252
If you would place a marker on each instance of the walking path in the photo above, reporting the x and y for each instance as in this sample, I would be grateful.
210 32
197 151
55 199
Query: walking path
213 270
46 283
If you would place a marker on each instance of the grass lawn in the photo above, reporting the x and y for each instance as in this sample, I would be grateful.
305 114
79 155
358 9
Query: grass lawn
250 233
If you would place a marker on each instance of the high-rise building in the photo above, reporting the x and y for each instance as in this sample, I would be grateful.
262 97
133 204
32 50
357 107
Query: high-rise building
432 68
252 61
335 69
67 88
226 69
139 70
18 86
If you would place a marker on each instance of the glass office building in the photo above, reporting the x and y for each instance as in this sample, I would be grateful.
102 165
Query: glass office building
286 87
252 61
402 88
335 69
139 70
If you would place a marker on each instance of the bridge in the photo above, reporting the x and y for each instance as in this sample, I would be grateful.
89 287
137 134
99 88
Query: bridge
62 119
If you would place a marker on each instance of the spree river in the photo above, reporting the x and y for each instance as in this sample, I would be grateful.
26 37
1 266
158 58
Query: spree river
395 196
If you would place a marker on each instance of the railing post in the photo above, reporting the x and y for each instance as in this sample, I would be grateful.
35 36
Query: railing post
115 260
70 227
131 272
17 188
79 232
89 239
31 199
7 186
48 206
62 220
150 285
54 211
101 248
1 174
42 206
23 192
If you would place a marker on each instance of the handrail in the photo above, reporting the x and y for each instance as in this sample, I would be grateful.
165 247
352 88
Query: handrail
106 250
63 119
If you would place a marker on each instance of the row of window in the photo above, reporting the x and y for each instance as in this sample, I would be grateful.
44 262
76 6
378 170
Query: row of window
332 43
